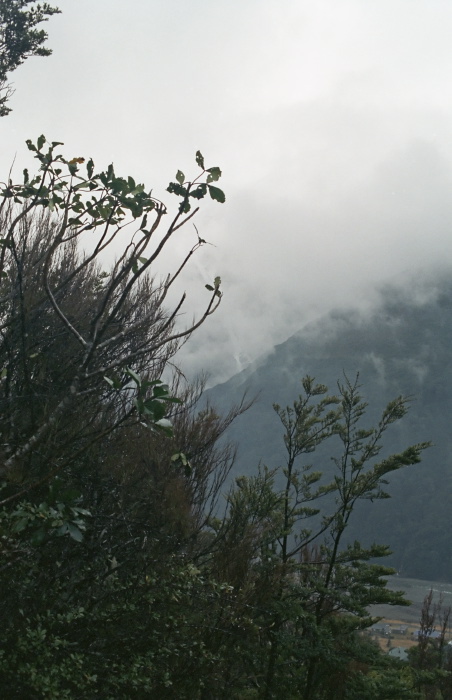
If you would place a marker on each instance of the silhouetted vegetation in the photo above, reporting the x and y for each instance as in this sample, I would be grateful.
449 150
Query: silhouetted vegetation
124 574
132 564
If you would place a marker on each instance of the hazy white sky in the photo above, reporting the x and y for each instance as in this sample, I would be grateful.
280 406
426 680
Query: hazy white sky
331 121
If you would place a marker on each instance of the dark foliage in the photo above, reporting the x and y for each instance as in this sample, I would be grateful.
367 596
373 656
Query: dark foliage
20 38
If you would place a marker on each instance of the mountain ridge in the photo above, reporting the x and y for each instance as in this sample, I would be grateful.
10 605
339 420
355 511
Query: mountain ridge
403 347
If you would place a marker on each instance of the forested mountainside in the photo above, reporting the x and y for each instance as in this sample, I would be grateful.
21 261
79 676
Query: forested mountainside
402 347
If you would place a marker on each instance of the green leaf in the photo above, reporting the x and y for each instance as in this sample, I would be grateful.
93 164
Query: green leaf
41 141
164 423
20 525
155 408
90 168
173 399
210 288
146 383
176 188
160 390
217 194
184 207
30 145
81 511
136 378
199 192
38 537
214 174
164 426
180 177
74 532
200 159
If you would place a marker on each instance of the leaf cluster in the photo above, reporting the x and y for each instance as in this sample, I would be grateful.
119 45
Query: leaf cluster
20 38
196 189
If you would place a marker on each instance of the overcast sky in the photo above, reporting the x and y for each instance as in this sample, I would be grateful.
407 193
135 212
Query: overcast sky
331 121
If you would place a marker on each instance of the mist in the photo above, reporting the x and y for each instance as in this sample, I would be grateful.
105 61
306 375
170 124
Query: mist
331 123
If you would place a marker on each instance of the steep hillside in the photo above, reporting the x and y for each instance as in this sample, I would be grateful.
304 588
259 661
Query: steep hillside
403 347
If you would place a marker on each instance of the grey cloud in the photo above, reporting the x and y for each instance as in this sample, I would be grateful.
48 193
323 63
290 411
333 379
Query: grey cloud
331 122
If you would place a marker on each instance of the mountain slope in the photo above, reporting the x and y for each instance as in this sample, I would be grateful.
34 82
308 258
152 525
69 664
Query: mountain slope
403 347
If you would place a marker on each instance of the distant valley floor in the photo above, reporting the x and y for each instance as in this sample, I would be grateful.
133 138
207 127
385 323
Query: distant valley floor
415 590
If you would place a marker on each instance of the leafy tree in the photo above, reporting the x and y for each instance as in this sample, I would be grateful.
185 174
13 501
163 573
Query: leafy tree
430 659
158 597
109 328
20 38
302 587
120 579
127 583
104 470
